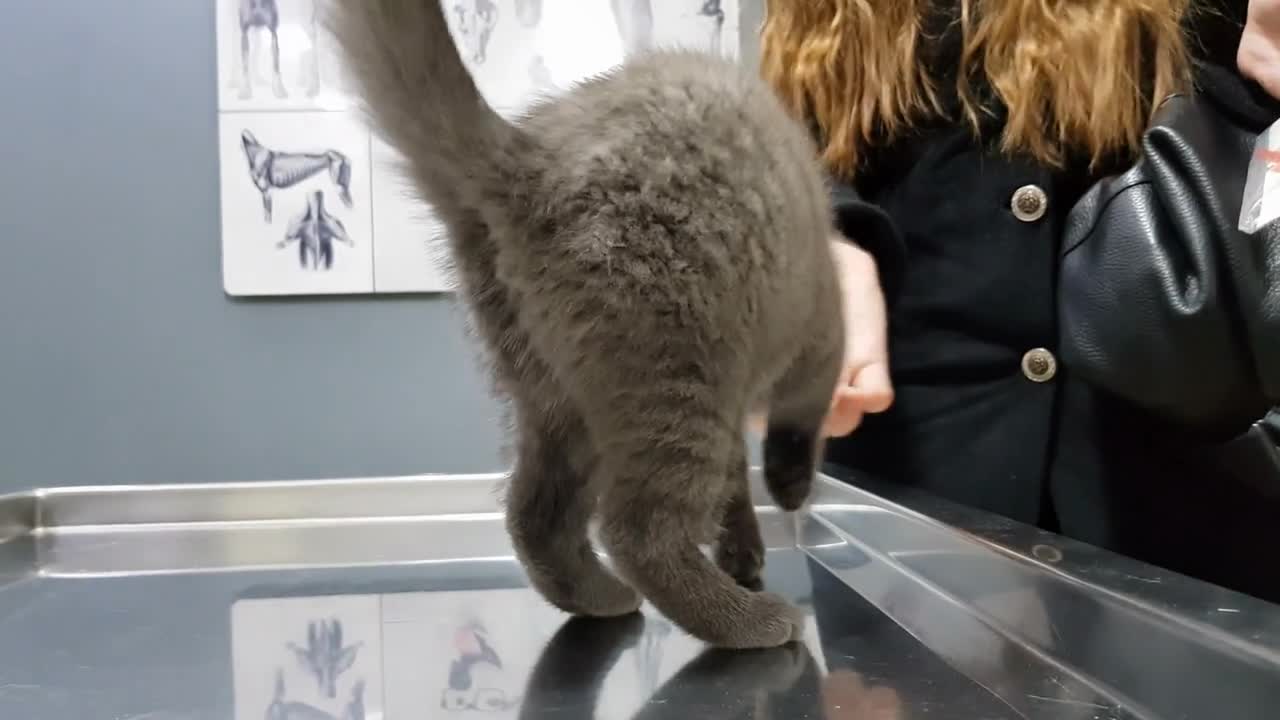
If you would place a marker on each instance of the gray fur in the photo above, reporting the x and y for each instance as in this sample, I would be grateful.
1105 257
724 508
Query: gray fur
646 260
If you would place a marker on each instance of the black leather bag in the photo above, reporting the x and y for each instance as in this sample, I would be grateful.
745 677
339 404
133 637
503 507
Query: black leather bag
1163 301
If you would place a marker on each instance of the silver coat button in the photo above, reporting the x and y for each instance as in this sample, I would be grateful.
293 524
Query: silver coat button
1029 203
1039 365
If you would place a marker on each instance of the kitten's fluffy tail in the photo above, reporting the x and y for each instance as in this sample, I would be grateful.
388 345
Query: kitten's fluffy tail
421 98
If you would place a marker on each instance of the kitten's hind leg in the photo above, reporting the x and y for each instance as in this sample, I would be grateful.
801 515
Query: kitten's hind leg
740 548
549 504
663 382
666 468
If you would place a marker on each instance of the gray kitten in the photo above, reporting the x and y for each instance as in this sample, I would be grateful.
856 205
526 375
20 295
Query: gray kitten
646 260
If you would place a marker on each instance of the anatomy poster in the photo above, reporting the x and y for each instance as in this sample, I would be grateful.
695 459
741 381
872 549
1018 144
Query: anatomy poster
313 202
296 211
275 55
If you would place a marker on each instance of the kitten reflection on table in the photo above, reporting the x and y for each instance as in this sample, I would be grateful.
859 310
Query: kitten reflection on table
568 681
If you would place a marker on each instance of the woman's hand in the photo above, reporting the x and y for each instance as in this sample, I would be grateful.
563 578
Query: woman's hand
864 385
1259 53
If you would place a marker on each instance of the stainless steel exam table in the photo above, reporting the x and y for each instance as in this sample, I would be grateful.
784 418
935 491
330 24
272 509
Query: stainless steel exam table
397 598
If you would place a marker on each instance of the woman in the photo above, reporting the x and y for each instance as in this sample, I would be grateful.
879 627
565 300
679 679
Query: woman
959 135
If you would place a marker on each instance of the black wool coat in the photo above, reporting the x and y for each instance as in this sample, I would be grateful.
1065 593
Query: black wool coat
968 243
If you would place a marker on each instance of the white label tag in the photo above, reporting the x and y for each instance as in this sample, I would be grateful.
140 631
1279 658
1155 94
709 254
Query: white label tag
1261 202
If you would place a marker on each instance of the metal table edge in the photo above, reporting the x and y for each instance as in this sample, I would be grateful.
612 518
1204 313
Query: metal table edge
110 508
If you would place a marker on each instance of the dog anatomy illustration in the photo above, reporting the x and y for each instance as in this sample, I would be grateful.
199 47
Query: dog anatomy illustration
476 21
461 693
260 15
282 709
711 9
325 657
314 229
275 170
528 12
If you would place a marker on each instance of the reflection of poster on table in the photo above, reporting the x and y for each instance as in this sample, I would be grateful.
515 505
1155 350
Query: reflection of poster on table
312 203
466 654
471 654
308 657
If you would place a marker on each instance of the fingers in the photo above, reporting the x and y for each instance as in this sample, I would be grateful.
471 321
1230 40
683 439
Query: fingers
1258 56
867 391
872 388
844 418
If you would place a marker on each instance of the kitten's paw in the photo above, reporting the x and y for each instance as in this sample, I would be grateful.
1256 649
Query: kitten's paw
595 594
606 600
741 555
768 621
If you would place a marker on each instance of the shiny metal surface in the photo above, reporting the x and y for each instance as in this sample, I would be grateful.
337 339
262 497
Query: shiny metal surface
390 598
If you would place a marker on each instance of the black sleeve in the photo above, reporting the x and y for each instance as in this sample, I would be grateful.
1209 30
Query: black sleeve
1163 301
870 227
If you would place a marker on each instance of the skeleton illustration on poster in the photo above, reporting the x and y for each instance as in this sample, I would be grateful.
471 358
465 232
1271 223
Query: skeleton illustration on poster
475 21
296 211
710 25
312 203
275 55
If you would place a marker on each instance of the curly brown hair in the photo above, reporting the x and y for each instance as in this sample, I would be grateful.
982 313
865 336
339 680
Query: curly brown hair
1073 76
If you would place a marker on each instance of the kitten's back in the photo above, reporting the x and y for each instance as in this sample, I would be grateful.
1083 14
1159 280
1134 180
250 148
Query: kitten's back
706 113
694 168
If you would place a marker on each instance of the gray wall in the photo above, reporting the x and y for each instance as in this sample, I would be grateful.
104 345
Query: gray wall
121 361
